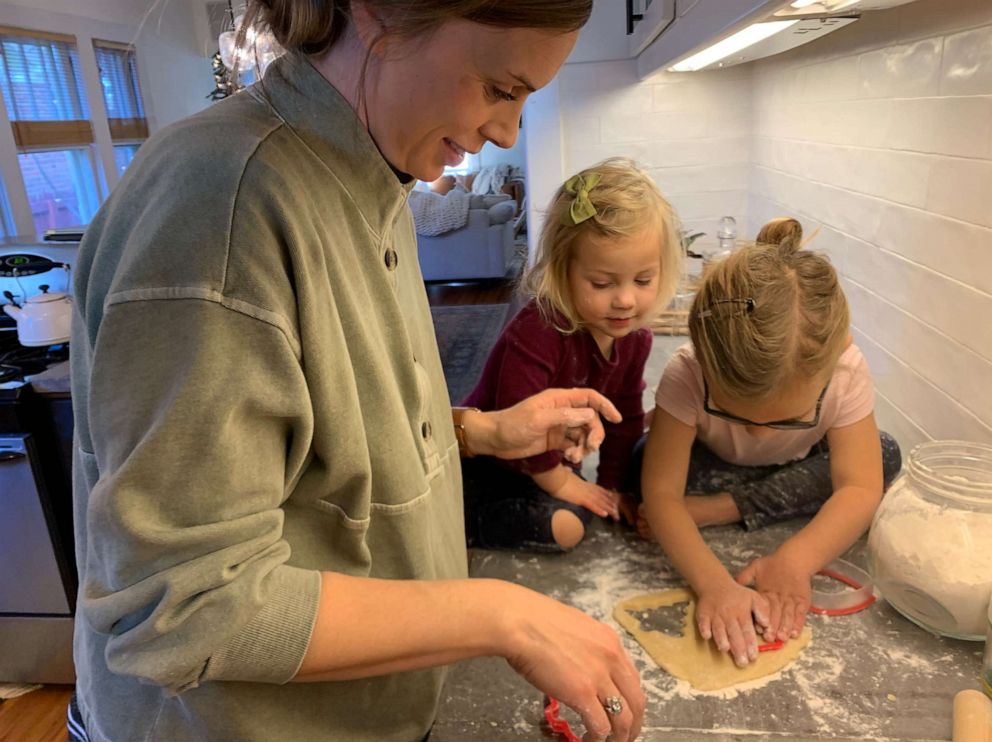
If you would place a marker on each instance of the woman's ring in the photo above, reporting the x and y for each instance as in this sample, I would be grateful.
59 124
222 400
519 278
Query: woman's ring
613 705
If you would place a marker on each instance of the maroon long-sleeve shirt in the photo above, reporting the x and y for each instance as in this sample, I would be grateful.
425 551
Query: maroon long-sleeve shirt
531 355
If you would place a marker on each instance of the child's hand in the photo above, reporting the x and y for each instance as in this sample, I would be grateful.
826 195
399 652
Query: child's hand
628 509
787 589
599 500
724 614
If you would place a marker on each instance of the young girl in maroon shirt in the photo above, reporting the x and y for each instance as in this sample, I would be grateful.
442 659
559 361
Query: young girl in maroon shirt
609 259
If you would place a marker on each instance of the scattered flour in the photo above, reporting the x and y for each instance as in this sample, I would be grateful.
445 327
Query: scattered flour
842 685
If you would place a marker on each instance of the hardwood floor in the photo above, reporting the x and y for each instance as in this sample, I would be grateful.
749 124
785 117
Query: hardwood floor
460 293
40 716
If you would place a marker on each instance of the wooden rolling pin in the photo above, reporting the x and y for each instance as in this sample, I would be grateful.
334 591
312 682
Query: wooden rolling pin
972 717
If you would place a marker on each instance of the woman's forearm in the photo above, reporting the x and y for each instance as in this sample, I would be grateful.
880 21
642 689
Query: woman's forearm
367 627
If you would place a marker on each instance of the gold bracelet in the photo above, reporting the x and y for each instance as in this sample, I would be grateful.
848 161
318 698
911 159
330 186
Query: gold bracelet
458 417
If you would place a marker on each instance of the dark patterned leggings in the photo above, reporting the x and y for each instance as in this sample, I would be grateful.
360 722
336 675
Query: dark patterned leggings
505 509
767 494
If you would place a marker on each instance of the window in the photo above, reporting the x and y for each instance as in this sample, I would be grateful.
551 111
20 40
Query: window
123 154
61 187
6 217
122 96
42 87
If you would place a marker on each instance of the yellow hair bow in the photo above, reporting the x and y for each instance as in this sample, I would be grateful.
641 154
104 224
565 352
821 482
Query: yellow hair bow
581 207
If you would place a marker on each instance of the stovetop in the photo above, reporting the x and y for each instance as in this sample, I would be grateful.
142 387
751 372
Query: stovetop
18 363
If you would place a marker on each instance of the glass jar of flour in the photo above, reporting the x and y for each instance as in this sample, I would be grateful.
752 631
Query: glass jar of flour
987 663
930 545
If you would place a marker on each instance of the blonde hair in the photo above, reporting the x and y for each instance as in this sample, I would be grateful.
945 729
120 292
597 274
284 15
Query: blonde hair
796 329
626 201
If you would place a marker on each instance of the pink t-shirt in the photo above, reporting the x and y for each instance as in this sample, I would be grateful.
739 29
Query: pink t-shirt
850 397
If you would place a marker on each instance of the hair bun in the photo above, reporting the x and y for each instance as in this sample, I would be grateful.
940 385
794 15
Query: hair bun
783 231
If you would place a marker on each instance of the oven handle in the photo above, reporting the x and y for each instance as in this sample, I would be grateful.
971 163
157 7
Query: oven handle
6 456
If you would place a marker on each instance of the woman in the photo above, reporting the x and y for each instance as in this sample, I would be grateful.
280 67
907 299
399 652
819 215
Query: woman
267 487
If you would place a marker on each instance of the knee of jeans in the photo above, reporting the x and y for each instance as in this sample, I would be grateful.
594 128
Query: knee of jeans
891 457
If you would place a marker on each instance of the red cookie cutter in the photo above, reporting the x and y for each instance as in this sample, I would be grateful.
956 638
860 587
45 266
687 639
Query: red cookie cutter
558 725
860 596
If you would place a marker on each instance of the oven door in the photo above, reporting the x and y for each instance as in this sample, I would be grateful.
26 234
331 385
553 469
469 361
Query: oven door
30 580
35 617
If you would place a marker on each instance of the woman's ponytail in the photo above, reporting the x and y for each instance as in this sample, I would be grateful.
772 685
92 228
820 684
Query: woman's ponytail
310 26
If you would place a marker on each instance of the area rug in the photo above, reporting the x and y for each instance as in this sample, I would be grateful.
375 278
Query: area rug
465 335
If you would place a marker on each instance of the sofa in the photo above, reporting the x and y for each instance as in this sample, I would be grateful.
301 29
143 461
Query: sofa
481 249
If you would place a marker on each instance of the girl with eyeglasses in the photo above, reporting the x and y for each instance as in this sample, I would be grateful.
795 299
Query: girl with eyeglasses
765 416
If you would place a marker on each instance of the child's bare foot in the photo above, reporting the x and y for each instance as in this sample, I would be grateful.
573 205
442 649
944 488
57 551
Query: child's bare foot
713 510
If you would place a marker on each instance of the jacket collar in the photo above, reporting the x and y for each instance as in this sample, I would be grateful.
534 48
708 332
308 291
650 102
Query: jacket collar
321 117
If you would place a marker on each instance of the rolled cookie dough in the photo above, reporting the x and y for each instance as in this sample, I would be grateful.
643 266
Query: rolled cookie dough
692 658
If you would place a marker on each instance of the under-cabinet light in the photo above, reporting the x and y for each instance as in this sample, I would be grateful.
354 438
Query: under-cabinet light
740 40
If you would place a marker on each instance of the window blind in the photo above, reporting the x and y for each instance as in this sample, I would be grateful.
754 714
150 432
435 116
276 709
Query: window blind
121 91
42 87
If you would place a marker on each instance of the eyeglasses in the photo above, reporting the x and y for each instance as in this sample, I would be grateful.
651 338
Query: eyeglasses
775 424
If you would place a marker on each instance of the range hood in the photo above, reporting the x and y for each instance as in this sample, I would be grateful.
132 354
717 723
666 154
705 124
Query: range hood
691 35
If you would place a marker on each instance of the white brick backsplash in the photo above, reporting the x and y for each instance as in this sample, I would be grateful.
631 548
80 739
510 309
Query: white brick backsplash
892 175
957 310
665 125
938 416
581 131
959 372
670 96
835 80
694 207
672 153
730 122
847 211
957 249
674 180
904 71
913 124
632 101
898 424
837 245
962 188
967 65
585 78
964 126
718 95
869 122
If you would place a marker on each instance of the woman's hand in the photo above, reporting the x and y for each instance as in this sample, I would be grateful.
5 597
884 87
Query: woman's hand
556 419
599 500
726 613
786 587
576 659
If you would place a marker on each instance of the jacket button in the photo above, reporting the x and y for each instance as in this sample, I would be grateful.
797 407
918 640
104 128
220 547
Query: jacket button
425 430
391 259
